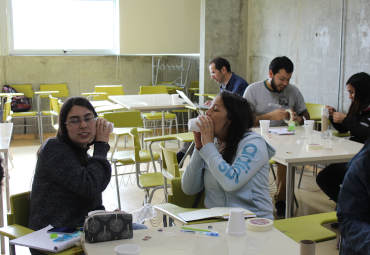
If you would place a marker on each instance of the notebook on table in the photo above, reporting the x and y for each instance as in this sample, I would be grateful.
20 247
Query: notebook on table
42 240
215 212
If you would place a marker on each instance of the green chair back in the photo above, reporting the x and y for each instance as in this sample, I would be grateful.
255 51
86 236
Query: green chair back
109 89
124 118
26 89
20 209
7 111
161 89
61 87
314 110
179 198
170 165
137 147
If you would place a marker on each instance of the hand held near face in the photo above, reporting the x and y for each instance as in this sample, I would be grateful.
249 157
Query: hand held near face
103 129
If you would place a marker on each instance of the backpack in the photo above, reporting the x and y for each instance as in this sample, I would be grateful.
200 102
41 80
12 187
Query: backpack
19 103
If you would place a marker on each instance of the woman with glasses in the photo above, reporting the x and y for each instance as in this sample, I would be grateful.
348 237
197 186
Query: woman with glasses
68 183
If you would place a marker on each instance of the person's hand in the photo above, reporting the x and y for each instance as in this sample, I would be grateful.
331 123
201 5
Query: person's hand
338 117
197 140
331 110
206 129
103 129
279 114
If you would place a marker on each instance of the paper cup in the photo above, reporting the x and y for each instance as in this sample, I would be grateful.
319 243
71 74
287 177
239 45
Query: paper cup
236 224
127 249
264 126
192 125
308 127
307 247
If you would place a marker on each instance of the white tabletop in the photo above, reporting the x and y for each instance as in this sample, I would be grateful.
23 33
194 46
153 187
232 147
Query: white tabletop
149 102
299 149
295 150
172 241
5 135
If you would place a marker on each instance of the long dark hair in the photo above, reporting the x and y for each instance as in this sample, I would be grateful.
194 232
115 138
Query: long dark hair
361 83
241 119
62 133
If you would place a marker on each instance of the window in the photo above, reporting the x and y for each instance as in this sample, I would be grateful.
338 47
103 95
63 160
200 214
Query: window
65 27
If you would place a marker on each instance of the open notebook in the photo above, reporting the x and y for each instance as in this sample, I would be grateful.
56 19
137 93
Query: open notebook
41 240
189 102
215 212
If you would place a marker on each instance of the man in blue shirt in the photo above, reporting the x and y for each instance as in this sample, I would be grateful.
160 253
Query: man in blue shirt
220 71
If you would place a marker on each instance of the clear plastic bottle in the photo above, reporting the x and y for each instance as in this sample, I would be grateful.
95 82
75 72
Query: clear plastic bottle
324 119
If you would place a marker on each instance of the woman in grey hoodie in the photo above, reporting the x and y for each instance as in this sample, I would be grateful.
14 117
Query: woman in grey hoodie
230 162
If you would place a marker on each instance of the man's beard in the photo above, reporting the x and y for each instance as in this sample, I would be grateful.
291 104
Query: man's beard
273 86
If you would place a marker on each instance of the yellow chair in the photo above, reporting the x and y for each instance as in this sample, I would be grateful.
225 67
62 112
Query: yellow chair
18 223
55 105
27 90
62 89
308 227
170 167
109 90
154 117
149 182
315 111
8 114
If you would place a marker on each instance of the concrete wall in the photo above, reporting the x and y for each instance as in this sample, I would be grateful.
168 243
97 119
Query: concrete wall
309 33
223 33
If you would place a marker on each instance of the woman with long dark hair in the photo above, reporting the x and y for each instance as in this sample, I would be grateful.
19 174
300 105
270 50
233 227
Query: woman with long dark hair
230 162
356 121
68 183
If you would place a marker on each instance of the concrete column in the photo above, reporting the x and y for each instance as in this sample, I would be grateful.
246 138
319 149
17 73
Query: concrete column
222 33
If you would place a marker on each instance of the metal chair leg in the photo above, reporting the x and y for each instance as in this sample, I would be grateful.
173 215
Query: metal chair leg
300 178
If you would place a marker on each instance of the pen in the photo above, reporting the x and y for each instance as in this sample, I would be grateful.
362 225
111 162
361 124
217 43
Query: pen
207 233
196 229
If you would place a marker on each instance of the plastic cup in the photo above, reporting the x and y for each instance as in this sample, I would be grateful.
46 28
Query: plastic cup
307 247
308 127
192 125
236 224
264 125
127 249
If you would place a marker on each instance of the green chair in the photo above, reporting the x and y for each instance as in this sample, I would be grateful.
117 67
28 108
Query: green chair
62 89
18 223
156 117
27 90
108 90
308 227
315 111
149 182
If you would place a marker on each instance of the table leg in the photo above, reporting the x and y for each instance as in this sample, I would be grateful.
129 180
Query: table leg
289 206
2 220
6 173
151 155
163 115
39 119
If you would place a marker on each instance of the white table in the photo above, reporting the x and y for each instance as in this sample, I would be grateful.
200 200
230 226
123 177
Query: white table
173 241
295 150
6 130
150 102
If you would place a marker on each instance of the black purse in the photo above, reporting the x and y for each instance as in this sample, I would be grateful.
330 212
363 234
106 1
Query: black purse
108 226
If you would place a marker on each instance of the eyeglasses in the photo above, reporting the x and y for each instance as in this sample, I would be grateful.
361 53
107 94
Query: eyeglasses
76 121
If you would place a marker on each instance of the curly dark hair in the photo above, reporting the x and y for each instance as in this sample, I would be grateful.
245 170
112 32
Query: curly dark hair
241 119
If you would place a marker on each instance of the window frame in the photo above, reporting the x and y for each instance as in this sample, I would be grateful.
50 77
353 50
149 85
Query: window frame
62 52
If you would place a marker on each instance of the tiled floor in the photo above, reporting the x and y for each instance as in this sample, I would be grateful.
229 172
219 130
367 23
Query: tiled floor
24 148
